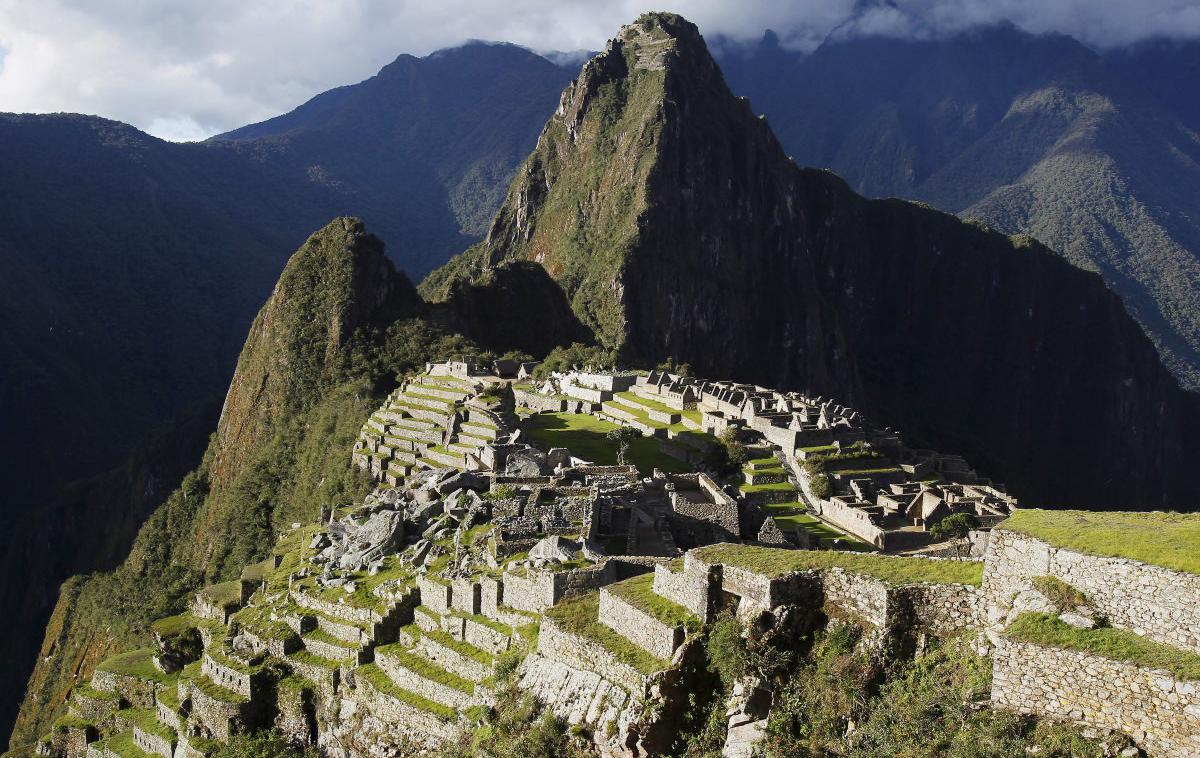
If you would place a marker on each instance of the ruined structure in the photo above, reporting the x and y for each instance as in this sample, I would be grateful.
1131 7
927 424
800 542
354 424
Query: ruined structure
482 562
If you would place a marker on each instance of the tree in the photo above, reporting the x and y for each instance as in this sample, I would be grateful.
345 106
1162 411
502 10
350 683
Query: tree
957 527
622 437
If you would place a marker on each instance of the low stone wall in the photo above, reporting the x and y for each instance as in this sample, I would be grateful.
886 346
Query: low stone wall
390 714
643 630
93 709
137 692
534 592
220 717
687 587
484 637
943 609
414 682
229 677
153 743
465 596
572 650
348 612
852 520
1161 714
1154 602
859 595
434 595
452 660
537 402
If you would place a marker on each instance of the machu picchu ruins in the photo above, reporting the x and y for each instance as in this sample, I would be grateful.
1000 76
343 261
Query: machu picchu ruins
517 538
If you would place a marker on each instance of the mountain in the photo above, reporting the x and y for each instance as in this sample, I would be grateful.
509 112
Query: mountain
318 359
676 226
1096 155
131 268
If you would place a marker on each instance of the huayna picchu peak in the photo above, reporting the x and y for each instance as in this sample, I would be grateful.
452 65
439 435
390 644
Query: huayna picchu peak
676 225
697 452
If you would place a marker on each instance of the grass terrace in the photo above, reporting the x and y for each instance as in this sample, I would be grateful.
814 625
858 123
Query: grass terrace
639 592
304 656
1169 540
191 673
891 570
146 719
67 721
173 626
774 487
426 669
381 682
629 398
1114 644
465 649
138 664
84 689
122 744
224 594
584 436
581 616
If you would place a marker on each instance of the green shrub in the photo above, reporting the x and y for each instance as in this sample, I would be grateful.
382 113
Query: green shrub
1061 595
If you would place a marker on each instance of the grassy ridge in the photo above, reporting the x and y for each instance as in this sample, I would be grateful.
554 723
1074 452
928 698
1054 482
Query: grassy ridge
892 570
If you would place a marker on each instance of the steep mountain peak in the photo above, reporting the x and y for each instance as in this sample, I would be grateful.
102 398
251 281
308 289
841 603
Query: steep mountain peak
336 284
676 226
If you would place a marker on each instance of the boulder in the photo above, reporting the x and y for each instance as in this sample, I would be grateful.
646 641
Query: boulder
528 462
554 548
467 480
1077 620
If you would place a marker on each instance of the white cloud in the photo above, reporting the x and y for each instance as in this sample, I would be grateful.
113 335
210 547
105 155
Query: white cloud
184 70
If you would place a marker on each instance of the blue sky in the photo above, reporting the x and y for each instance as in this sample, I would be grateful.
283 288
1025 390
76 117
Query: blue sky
185 70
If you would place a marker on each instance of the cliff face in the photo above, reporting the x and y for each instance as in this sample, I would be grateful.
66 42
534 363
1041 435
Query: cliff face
676 226
295 404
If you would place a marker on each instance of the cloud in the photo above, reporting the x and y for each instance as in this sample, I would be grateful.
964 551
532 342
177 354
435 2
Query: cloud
184 70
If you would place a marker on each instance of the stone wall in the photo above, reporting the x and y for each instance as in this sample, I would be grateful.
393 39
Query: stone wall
434 595
572 650
137 692
858 595
642 629
1155 602
942 609
687 587
1160 713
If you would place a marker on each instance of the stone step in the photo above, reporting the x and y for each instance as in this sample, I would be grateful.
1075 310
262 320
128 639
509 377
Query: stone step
439 391
484 633
415 673
478 430
413 398
456 656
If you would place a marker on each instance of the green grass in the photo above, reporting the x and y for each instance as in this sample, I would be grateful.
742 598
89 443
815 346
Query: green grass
320 635
632 398
172 626
1061 595
584 436
1170 540
897 571
146 719
135 663
304 656
465 649
639 593
581 616
1114 644
815 527
773 487
67 721
87 690
492 624
427 669
122 744
224 594
381 682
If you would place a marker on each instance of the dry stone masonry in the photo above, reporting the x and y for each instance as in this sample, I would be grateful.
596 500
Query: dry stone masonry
376 631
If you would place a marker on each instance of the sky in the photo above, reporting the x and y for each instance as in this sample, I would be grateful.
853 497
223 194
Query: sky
185 70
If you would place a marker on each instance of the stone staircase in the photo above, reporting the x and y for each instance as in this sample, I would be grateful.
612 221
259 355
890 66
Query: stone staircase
428 423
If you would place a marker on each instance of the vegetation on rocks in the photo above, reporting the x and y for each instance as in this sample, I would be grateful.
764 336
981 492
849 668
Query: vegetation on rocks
326 348
1106 642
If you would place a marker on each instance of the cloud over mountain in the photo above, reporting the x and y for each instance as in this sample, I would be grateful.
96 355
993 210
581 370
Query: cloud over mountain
184 70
